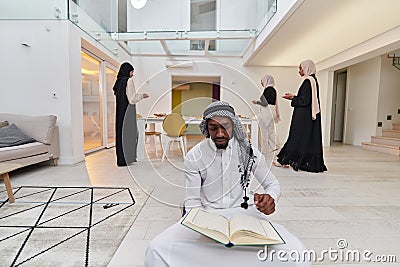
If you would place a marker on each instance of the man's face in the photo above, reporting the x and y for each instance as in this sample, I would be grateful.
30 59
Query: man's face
220 129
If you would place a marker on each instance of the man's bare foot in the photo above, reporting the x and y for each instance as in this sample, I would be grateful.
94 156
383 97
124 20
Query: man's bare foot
277 164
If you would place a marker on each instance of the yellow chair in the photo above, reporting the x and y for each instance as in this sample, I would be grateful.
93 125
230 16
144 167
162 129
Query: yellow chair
174 127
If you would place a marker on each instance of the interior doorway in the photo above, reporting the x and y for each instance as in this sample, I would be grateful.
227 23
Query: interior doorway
338 106
191 95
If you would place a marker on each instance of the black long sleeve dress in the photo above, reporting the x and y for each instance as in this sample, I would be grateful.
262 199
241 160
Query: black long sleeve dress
303 148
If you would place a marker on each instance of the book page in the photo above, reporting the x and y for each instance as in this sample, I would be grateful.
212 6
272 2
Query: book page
270 230
249 230
243 222
208 220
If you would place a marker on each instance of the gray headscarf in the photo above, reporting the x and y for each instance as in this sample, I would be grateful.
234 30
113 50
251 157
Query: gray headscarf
246 157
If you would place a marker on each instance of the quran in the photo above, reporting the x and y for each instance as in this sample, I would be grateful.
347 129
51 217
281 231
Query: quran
240 230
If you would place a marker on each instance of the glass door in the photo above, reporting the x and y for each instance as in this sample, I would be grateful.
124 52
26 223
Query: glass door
110 77
92 108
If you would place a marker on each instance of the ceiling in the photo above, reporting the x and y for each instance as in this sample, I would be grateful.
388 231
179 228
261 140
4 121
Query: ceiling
320 29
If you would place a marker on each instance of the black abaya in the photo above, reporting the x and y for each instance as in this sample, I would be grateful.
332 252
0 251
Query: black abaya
303 148
126 132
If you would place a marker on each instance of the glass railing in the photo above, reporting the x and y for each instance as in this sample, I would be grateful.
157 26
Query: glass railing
174 32
100 25
197 28
33 10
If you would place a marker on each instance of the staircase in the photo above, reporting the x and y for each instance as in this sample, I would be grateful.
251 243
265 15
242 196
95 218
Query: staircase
396 60
388 143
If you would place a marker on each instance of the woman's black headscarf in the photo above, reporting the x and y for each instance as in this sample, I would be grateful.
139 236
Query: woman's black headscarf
122 77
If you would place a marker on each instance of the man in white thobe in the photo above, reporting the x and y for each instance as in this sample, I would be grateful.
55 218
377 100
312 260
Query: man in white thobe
217 174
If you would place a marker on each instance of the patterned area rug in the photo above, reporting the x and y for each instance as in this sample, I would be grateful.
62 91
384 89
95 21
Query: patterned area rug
65 226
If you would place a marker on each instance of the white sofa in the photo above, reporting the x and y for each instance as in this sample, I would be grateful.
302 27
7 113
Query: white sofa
43 129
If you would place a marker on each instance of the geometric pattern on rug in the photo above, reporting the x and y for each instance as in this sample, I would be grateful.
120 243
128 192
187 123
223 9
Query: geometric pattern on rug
64 226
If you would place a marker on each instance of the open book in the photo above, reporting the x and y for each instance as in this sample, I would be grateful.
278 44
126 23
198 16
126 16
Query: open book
241 229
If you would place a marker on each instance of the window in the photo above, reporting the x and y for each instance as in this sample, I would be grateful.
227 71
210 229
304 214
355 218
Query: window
202 18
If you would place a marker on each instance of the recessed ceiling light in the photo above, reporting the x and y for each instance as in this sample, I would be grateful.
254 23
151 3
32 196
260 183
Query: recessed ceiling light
138 4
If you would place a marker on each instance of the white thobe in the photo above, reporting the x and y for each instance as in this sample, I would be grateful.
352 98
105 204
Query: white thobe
213 176
213 182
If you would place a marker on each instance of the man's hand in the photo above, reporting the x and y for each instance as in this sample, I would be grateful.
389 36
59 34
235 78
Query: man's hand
264 203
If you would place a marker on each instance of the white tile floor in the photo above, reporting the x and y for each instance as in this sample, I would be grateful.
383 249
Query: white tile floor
357 199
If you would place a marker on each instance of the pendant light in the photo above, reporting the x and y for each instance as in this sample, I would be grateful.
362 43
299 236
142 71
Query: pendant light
138 4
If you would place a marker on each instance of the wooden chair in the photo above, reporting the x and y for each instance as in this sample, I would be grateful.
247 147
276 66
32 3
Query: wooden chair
174 127
151 132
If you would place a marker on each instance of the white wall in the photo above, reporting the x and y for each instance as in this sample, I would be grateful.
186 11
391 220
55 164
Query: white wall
174 15
325 81
283 12
238 16
30 75
165 15
76 108
389 93
363 81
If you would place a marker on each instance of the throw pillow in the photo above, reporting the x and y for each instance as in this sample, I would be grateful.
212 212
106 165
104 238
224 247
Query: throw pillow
11 135
3 124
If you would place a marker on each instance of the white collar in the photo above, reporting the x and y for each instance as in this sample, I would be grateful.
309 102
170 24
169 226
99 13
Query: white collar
214 148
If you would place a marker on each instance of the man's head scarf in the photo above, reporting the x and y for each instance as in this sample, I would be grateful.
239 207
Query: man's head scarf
122 77
223 109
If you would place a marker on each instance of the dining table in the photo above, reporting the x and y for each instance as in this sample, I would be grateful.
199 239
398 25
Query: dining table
248 123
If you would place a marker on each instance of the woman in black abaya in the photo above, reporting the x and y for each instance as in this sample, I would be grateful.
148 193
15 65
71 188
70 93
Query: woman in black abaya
303 148
126 132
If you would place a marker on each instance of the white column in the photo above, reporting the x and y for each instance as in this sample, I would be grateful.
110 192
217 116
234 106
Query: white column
254 132
141 139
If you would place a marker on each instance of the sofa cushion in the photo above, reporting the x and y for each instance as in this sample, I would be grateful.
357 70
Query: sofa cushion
40 128
12 136
22 151
3 124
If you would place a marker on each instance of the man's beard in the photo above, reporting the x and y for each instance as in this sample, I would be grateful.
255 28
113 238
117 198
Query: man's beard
222 146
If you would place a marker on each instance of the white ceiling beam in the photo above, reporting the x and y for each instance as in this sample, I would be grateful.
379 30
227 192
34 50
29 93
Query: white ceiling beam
185 35
206 45
165 47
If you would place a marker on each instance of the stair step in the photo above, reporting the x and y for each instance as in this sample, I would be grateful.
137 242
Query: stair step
396 126
387 149
391 141
391 133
